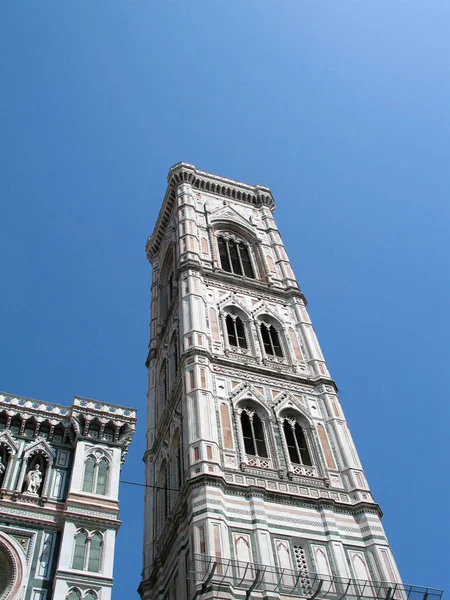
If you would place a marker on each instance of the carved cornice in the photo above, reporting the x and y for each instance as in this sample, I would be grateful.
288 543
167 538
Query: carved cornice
256 195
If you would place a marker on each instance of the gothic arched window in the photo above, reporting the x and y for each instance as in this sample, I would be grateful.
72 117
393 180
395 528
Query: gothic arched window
87 554
74 594
79 553
271 340
102 476
253 433
235 257
95 552
296 443
96 471
236 332
89 469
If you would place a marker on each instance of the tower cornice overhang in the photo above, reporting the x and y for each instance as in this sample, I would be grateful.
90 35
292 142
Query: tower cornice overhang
255 195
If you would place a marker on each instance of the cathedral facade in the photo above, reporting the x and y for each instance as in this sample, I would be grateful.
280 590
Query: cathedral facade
59 483
254 485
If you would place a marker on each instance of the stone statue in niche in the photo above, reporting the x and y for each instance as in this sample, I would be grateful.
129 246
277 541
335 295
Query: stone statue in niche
33 480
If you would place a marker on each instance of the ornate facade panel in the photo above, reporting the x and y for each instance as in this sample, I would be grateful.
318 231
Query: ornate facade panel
49 493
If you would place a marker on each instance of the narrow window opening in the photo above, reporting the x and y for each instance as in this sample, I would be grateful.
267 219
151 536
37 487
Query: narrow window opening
247 434
259 436
296 443
301 441
232 339
290 442
102 476
253 434
80 551
223 252
95 553
245 259
89 474
235 262
240 333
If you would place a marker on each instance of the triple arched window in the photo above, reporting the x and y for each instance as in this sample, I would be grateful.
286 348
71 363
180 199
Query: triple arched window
235 257
87 554
96 474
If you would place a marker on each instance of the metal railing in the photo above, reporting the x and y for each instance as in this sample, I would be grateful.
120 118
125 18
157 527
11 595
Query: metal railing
208 570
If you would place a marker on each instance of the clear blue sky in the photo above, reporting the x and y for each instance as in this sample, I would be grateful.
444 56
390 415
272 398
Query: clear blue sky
341 107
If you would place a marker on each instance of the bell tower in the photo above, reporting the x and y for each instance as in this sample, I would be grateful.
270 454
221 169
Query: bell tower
255 488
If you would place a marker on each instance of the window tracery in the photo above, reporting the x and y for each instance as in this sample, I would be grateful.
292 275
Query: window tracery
296 442
271 340
235 255
236 332
254 438
300 452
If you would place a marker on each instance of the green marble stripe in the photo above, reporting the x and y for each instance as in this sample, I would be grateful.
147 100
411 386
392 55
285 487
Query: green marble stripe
291 529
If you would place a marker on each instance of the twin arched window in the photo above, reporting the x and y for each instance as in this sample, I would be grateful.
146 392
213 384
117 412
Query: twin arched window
96 475
253 433
235 257
236 332
87 553
237 337
255 442
271 340
75 594
296 442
